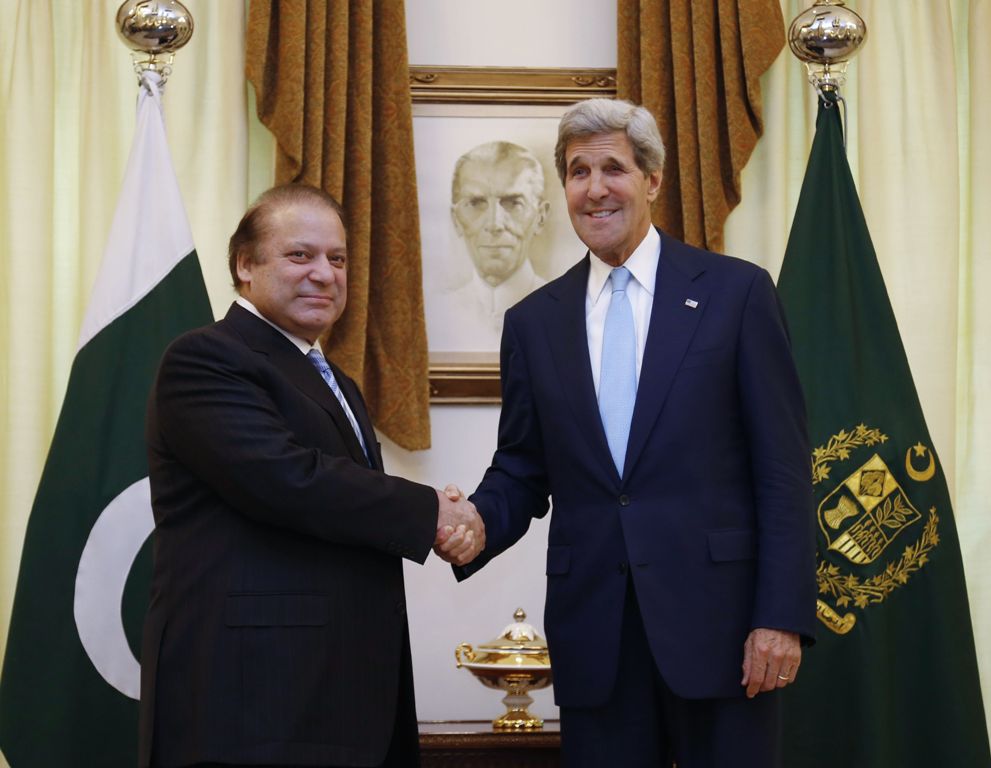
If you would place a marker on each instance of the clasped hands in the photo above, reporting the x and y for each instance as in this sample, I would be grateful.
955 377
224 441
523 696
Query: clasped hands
460 530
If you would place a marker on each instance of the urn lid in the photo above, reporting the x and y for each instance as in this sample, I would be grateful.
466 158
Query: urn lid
518 636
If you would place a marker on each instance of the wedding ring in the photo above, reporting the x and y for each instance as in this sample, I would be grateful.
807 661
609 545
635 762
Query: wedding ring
782 677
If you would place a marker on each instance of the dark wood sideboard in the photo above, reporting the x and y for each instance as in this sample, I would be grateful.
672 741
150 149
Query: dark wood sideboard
473 744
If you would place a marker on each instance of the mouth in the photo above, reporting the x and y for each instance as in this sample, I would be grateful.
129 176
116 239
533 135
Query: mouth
600 214
317 298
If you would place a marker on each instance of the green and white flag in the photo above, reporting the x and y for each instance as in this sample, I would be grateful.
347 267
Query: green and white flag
892 681
70 683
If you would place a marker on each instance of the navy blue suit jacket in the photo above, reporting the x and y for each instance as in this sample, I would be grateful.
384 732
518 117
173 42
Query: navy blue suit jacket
713 517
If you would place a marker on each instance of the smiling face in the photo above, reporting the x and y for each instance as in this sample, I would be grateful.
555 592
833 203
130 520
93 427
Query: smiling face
498 211
297 276
608 195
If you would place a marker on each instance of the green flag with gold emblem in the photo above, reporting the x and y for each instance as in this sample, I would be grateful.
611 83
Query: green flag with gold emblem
892 681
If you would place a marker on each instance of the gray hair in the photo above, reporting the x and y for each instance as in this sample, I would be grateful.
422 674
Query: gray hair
596 116
495 152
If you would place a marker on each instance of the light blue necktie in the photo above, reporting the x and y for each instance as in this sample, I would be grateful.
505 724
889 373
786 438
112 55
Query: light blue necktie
618 375
321 364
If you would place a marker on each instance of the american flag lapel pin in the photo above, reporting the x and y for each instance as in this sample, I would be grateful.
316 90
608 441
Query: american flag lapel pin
691 303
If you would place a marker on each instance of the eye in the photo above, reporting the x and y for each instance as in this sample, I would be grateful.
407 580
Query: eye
512 203
298 257
475 203
578 173
338 260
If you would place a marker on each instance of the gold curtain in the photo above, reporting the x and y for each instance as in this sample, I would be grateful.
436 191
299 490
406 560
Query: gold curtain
696 66
332 84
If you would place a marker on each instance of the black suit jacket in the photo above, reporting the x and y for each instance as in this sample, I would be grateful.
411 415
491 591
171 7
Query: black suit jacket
277 621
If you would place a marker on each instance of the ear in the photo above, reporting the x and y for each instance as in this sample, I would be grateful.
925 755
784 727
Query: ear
543 209
653 184
454 220
244 265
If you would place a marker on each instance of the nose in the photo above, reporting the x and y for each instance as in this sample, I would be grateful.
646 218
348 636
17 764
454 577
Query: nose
322 271
596 186
495 217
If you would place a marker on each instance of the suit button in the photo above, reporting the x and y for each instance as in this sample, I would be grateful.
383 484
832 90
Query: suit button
624 500
401 608
622 569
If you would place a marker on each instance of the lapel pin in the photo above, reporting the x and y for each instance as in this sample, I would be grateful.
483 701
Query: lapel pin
691 303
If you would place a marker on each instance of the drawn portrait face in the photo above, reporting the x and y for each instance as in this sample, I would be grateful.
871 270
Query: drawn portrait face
498 207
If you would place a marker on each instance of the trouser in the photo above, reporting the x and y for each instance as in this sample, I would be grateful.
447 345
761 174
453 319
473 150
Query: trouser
645 724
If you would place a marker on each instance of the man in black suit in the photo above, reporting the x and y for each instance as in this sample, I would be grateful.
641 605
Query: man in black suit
277 632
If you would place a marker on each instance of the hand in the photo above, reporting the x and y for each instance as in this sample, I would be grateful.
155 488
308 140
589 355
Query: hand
460 529
771 658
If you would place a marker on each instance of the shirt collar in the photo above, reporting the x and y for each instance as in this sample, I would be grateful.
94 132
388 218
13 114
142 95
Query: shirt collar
642 264
302 344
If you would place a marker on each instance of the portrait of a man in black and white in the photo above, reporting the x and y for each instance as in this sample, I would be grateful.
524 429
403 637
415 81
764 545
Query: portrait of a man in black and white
498 207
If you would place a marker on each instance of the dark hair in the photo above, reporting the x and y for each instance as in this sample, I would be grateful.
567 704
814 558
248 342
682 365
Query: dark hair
254 223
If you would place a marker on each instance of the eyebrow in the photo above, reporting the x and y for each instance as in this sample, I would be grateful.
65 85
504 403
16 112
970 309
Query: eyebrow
610 159
305 245
302 245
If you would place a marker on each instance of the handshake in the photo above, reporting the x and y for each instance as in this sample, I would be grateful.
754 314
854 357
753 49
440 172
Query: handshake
460 530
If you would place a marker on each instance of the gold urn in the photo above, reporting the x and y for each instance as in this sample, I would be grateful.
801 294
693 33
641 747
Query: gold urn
516 662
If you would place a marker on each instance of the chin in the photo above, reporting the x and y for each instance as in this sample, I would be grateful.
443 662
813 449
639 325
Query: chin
313 327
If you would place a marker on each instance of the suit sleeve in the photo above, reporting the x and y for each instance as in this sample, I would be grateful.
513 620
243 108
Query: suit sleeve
213 413
775 420
514 489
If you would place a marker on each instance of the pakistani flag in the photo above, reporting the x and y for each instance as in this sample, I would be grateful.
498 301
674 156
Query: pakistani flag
892 681
69 689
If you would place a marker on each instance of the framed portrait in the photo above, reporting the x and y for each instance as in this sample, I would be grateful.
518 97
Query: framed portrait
493 220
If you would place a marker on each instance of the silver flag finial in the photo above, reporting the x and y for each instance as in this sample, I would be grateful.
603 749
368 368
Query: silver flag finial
154 30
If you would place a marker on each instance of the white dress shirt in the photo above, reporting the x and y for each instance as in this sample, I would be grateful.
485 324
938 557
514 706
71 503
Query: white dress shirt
642 264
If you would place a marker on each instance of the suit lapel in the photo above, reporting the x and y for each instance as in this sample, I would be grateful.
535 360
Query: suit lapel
569 350
284 355
672 326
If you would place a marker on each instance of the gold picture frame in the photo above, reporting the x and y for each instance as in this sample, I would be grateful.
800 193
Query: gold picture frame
469 377
509 85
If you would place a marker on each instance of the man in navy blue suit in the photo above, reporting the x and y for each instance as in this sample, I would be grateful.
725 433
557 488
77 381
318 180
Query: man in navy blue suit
650 392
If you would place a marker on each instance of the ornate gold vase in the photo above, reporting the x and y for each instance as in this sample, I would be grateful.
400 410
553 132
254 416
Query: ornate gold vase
516 662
